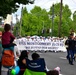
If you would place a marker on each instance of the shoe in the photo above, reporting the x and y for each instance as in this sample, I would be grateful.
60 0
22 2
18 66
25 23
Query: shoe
69 60
71 64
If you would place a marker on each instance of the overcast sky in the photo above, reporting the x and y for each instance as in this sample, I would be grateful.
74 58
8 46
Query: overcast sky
45 4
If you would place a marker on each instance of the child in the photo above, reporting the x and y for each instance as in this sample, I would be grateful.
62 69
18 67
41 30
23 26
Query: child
7 37
24 55
56 71
35 56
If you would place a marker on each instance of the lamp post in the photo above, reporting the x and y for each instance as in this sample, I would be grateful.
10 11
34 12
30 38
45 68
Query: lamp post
59 27
21 20
52 20
52 17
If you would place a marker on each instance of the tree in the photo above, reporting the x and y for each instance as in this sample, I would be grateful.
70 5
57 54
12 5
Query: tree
32 23
74 21
66 19
11 6
37 21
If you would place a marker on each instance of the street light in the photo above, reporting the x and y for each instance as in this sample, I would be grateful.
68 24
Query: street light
21 20
52 17
59 30
52 20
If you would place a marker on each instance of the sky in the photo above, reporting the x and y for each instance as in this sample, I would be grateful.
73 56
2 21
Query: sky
46 4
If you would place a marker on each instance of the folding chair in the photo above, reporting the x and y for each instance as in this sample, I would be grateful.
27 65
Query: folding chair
35 67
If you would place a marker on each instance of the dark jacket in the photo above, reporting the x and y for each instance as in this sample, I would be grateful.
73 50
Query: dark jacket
22 66
20 63
71 44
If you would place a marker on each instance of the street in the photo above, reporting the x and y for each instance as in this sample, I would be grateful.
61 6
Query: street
53 60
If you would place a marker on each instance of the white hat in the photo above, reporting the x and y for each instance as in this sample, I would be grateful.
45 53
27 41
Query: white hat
58 69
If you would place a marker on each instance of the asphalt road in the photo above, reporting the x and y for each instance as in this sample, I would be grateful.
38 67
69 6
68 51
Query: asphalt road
53 60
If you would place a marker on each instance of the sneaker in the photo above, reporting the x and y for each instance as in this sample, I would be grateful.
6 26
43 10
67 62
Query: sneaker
71 64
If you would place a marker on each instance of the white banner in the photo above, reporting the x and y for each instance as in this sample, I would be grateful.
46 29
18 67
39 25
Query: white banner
41 45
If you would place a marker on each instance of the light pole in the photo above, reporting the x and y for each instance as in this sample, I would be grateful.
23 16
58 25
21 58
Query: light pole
52 20
59 27
52 17
21 20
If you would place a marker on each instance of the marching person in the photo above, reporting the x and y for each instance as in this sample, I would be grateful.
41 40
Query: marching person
71 46
67 47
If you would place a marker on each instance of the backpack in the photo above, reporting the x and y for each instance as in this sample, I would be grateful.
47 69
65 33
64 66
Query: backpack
8 58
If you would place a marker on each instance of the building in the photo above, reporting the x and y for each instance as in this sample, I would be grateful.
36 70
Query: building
8 19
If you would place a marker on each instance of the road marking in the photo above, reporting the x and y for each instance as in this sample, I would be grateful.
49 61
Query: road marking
63 57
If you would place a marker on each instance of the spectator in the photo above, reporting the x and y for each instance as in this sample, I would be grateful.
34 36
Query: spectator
0 54
7 37
36 56
52 72
38 65
7 43
20 63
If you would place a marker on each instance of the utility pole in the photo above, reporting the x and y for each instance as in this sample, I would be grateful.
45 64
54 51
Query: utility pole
59 27
52 20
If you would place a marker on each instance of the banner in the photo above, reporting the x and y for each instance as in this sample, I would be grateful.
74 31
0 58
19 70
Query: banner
41 45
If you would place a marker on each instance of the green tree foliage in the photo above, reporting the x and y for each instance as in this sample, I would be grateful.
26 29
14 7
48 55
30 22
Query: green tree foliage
10 6
66 12
37 21
32 23
1 29
66 19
